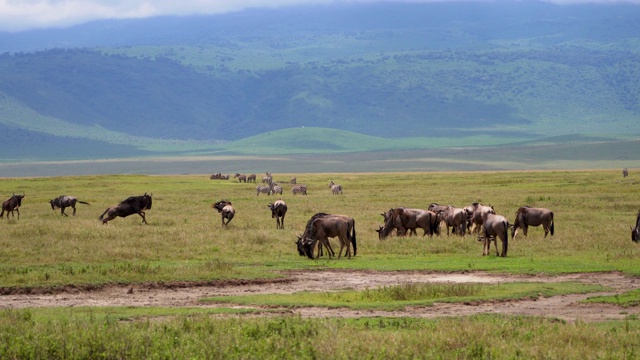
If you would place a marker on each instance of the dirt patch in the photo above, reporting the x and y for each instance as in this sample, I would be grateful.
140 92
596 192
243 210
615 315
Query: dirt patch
189 294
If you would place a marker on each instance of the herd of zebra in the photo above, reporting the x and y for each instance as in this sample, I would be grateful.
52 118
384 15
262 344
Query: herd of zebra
271 187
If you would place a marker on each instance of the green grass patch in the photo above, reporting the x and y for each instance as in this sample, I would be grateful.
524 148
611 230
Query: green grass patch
627 299
411 294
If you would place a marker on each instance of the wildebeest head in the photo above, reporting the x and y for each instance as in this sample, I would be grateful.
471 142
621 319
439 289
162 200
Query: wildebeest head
635 232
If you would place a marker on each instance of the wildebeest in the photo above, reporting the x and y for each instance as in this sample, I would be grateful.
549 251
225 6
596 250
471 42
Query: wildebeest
323 226
64 201
12 204
406 219
129 206
528 216
299 189
226 210
453 217
219 176
474 216
494 227
251 178
263 189
625 172
278 211
635 232
241 177
335 188
294 180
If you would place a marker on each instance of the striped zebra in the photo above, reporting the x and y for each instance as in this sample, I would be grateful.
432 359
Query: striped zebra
335 188
263 189
299 189
241 177
276 189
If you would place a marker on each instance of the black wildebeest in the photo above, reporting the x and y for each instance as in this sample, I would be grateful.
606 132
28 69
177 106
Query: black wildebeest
403 219
323 226
635 232
278 211
129 206
226 210
64 201
625 172
494 227
12 204
527 216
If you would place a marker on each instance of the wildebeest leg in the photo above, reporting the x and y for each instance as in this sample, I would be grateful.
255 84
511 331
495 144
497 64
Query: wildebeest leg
18 211
74 210
62 211
142 214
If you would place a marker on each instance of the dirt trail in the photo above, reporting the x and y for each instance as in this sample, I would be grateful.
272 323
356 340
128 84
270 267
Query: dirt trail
187 295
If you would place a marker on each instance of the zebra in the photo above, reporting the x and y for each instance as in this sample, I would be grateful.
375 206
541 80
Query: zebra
251 178
335 188
263 189
294 180
241 177
276 189
625 172
299 189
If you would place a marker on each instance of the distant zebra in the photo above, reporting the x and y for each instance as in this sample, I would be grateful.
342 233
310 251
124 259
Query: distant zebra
335 188
241 177
267 178
251 178
263 189
276 189
299 189
625 172
294 180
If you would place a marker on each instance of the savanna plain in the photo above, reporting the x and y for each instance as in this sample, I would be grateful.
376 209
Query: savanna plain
288 306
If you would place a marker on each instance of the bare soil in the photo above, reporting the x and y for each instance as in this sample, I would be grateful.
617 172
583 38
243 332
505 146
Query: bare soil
566 307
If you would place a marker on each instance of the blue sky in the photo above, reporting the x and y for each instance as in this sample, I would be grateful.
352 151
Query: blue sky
17 15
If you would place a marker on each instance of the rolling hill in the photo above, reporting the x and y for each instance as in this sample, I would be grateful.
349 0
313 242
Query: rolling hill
359 77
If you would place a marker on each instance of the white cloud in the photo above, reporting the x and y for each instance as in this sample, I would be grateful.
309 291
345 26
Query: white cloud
16 15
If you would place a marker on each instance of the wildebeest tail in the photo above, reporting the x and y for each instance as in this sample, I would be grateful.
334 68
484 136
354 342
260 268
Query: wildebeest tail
505 245
353 239
83 202
552 227
102 216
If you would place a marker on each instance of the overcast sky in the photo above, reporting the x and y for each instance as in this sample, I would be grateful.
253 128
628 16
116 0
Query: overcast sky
16 15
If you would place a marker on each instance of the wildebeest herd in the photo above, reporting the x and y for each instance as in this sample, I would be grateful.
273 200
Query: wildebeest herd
478 219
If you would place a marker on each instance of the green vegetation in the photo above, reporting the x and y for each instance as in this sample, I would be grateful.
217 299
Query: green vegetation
72 333
401 296
184 241
444 76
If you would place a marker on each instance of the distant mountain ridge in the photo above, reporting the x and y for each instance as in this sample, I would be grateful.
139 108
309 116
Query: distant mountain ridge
508 70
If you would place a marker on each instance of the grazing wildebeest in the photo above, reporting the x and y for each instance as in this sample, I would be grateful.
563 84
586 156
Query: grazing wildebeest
241 177
129 206
635 232
299 189
453 217
64 201
251 178
474 216
335 188
278 211
263 189
625 172
12 204
527 216
219 176
294 180
494 227
226 210
324 226
403 219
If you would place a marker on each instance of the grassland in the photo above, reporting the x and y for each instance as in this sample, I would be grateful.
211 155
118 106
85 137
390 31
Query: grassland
185 242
